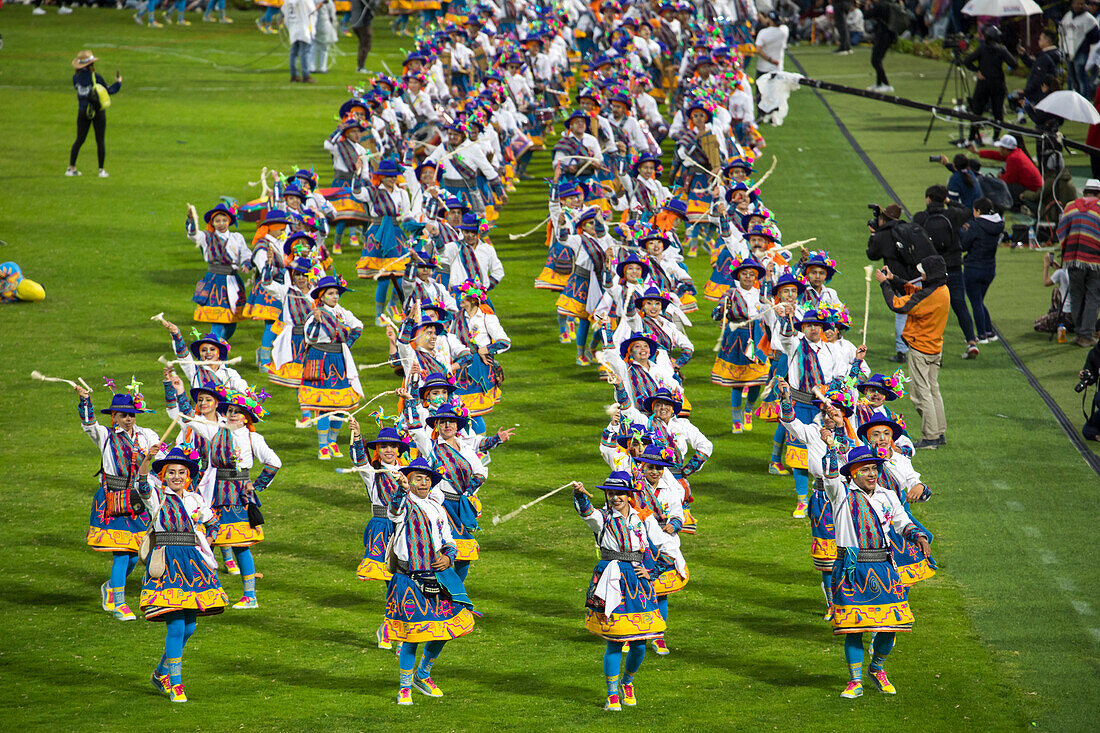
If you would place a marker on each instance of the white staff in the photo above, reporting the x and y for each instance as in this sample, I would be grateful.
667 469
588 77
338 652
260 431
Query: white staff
173 362
866 302
775 160
43 378
529 232
497 519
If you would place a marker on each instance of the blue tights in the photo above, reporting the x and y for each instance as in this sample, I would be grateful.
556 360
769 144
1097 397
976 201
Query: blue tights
267 340
801 482
178 628
220 5
881 646
750 404
121 567
778 441
582 334
380 293
248 570
407 660
223 330
612 663
328 431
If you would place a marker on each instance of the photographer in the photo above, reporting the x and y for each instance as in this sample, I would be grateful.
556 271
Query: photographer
942 221
963 186
1088 375
900 245
989 60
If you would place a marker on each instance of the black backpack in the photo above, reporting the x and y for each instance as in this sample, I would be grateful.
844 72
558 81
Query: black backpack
996 190
897 19
941 231
912 243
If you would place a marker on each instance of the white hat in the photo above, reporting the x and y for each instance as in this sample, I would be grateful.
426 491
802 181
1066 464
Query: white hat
1092 184
1007 142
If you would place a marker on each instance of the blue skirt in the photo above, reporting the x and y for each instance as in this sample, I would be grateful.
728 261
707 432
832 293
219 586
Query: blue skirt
230 527
211 299
375 536
868 596
188 583
476 388
383 245
795 454
414 617
720 279
637 616
573 300
823 542
911 563
463 517
325 384
114 534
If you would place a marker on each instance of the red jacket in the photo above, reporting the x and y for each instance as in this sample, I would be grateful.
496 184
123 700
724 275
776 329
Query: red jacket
1018 168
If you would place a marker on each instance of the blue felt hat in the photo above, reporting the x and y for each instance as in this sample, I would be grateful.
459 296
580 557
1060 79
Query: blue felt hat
276 216
351 123
631 259
589 213
300 265
761 231
435 381
620 481
749 263
388 435
454 203
123 402
425 304
652 293
328 281
288 243
427 164
676 206
664 395
789 278
221 344
622 99
295 190
426 260
387 168
425 322
624 347
470 223
634 431
447 412
209 388
698 104
414 56
861 454
654 455
348 106
811 317
878 381
590 93
306 176
895 429
220 209
655 234
843 405
646 157
421 466
177 456
577 114
820 259
567 189
737 163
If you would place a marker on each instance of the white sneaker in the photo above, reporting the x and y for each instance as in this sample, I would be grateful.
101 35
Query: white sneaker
64 11
886 88
362 71
38 11
72 172
104 174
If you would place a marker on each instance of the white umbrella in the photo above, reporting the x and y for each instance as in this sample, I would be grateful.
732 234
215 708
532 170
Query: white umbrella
1001 8
1070 106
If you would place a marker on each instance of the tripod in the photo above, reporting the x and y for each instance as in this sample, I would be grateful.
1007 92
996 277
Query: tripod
956 78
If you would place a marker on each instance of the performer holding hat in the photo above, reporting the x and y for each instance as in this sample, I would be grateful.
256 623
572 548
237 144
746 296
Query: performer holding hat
119 518
181 581
93 97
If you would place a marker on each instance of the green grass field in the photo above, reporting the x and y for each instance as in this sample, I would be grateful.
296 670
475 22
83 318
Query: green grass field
1006 635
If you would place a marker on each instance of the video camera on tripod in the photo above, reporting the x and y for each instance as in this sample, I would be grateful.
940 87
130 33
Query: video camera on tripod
957 43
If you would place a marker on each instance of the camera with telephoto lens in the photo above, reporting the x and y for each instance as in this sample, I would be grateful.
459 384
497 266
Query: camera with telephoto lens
1087 378
876 214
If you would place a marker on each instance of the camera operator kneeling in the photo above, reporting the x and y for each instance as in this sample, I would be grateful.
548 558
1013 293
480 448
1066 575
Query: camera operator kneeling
1088 376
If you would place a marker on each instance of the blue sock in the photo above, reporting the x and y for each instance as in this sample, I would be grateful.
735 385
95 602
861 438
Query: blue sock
407 662
190 622
131 563
827 585
380 292
248 570
801 482
582 334
735 400
120 568
210 7
778 440
227 554
174 629
662 606
462 569
752 398
563 324
881 646
478 424
267 340
427 659
334 429
612 663
322 432
338 230
230 329
633 660
162 665
853 654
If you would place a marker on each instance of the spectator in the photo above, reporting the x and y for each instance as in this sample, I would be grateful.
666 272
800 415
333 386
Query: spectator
885 13
926 317
1079 233
1079 30
326 35
882 245
1043 64
980 240
297 15
1020 173
362 16
943 222
1054 275
843 30
963 186
989 60
1092 139
92 97
771 44
856 31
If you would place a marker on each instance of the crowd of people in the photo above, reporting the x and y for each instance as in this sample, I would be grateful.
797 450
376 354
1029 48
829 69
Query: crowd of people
421 165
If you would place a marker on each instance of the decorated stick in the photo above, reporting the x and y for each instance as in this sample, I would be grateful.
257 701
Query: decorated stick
43 378
234 360
775 161
364 367
372 399
382 269
159 317
497 519
83 384
792 245
866 301
171 426
529 232
369 470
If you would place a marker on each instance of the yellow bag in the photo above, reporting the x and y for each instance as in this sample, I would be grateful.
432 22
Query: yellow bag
102 96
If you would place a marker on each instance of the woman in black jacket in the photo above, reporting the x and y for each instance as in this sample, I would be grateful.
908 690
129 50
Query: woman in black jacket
980 240
90 114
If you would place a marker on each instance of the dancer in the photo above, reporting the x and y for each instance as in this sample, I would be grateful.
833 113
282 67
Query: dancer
119 518
478 376
741 364
181 581
212 353
219 295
